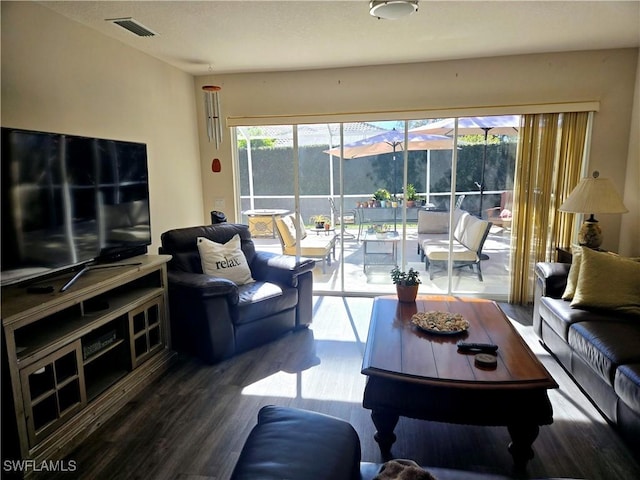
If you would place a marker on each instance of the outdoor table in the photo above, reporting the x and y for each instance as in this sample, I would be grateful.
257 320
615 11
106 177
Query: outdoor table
390 214
262 222
377 257
326 231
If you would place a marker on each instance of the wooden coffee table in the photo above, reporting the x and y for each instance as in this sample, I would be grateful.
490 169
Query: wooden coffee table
421 375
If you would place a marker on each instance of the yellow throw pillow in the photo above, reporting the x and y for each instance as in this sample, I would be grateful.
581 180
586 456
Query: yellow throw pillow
225 260
608 282
574 271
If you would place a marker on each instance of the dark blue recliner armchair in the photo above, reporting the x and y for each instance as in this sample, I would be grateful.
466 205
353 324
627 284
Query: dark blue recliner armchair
213 318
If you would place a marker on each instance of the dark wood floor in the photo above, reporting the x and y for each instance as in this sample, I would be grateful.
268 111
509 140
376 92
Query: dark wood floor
192 423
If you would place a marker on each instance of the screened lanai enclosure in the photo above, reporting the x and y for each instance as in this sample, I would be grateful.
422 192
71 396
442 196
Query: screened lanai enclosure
386 209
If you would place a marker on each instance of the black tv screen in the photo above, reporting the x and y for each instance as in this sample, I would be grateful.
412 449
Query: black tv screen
69 200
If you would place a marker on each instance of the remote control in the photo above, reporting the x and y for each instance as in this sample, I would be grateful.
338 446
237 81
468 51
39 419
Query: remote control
477 347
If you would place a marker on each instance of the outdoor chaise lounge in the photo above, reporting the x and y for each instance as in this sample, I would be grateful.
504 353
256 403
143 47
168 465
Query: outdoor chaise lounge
321 245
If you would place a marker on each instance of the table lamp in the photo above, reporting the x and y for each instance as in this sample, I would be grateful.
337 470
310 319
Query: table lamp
593 195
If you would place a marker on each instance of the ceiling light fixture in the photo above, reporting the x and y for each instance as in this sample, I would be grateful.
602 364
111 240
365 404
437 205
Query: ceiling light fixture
392 9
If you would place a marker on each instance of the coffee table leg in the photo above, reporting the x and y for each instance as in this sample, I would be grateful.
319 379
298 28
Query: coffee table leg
522 437
385 423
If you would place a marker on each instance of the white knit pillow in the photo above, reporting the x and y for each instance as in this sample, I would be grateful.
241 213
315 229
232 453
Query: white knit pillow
224 260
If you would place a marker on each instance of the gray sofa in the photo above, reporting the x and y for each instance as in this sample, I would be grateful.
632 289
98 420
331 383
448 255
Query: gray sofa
599 348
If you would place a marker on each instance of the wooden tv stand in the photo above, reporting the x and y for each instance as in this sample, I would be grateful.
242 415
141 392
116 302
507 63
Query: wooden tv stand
74 358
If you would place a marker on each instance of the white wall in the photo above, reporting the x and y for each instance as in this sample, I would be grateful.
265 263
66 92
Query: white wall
60 76
607 76
630 230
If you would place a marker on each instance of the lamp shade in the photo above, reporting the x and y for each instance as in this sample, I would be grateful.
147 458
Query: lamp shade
594 195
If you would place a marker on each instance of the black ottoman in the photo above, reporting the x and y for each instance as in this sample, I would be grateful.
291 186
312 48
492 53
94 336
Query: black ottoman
298 444
293 444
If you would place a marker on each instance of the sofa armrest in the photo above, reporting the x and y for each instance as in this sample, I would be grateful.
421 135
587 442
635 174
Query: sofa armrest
205 286
552 278
279 269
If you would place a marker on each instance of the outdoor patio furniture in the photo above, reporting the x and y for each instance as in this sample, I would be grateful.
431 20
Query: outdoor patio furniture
433 226
312 246
262 222
389 215
385 254
349 217
501 216
468 239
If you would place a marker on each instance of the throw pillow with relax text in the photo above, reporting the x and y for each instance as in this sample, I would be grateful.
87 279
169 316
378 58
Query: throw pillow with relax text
224 260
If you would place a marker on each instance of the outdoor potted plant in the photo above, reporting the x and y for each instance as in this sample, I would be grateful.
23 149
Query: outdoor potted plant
319 220
382 195
381 231
406 283
411 195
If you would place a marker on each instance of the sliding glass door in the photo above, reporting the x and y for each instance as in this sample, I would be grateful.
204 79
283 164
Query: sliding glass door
474 259
388 192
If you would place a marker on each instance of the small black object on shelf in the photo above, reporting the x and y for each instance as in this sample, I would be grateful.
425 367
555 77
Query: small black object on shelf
218 217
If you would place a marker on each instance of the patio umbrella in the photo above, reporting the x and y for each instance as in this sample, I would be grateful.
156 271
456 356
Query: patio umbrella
494 125
392 141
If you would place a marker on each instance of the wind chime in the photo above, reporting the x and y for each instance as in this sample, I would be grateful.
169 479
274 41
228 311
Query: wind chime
212 111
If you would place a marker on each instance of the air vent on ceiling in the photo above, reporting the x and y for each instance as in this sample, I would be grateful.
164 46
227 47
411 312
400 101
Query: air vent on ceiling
133 26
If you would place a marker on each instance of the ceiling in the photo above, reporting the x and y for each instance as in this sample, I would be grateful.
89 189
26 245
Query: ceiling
257 36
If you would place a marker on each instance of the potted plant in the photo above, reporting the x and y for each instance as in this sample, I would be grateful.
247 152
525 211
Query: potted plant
406 283
319 220
381 231
410 195
382 195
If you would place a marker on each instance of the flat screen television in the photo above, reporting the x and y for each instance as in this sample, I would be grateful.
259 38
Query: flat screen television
68 201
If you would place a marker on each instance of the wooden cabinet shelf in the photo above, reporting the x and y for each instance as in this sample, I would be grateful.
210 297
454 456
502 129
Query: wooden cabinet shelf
33 340
102 352
103 382
75 357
